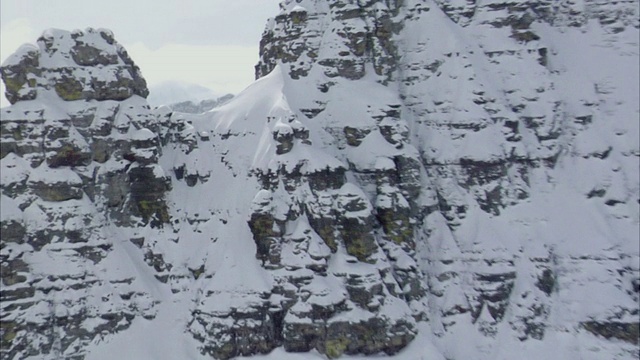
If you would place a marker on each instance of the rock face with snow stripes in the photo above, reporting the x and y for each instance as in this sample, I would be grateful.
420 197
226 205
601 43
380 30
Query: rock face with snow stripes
401 175
492 119
79 152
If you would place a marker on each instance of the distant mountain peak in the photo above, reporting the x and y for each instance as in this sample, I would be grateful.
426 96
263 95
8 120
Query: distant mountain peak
174 91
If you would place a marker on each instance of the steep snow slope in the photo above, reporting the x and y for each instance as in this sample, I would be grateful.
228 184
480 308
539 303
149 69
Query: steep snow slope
425 179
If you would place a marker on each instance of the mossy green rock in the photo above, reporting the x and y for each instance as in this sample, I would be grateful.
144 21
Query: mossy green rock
69 155
20 78
396 225
147 192
366 337
58 191
625 331
69 89
12 231
264 229
358 238
334 348
8 332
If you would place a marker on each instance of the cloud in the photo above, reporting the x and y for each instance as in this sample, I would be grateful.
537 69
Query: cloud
155 23
14 34
220 68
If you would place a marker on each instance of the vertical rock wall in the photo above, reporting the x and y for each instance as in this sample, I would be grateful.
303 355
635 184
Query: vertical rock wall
79 155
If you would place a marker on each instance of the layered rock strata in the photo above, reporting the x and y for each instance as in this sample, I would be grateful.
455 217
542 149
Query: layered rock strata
486 138
79 153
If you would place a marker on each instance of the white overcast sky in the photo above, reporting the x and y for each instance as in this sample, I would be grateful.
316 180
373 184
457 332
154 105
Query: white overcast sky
213 43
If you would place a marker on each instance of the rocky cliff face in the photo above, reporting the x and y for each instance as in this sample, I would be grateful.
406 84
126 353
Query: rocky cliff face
498 125
402 175
79 152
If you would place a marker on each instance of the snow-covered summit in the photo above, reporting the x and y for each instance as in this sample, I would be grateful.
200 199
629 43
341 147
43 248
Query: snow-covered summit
74 65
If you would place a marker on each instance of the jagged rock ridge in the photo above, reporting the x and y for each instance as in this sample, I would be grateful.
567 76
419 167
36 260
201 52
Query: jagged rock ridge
403 174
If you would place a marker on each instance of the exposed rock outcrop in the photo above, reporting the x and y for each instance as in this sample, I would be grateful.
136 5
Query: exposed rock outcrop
78 157
473 150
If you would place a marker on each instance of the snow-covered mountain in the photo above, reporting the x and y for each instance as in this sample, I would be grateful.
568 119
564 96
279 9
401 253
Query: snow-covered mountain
199 107
171 92
414 179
